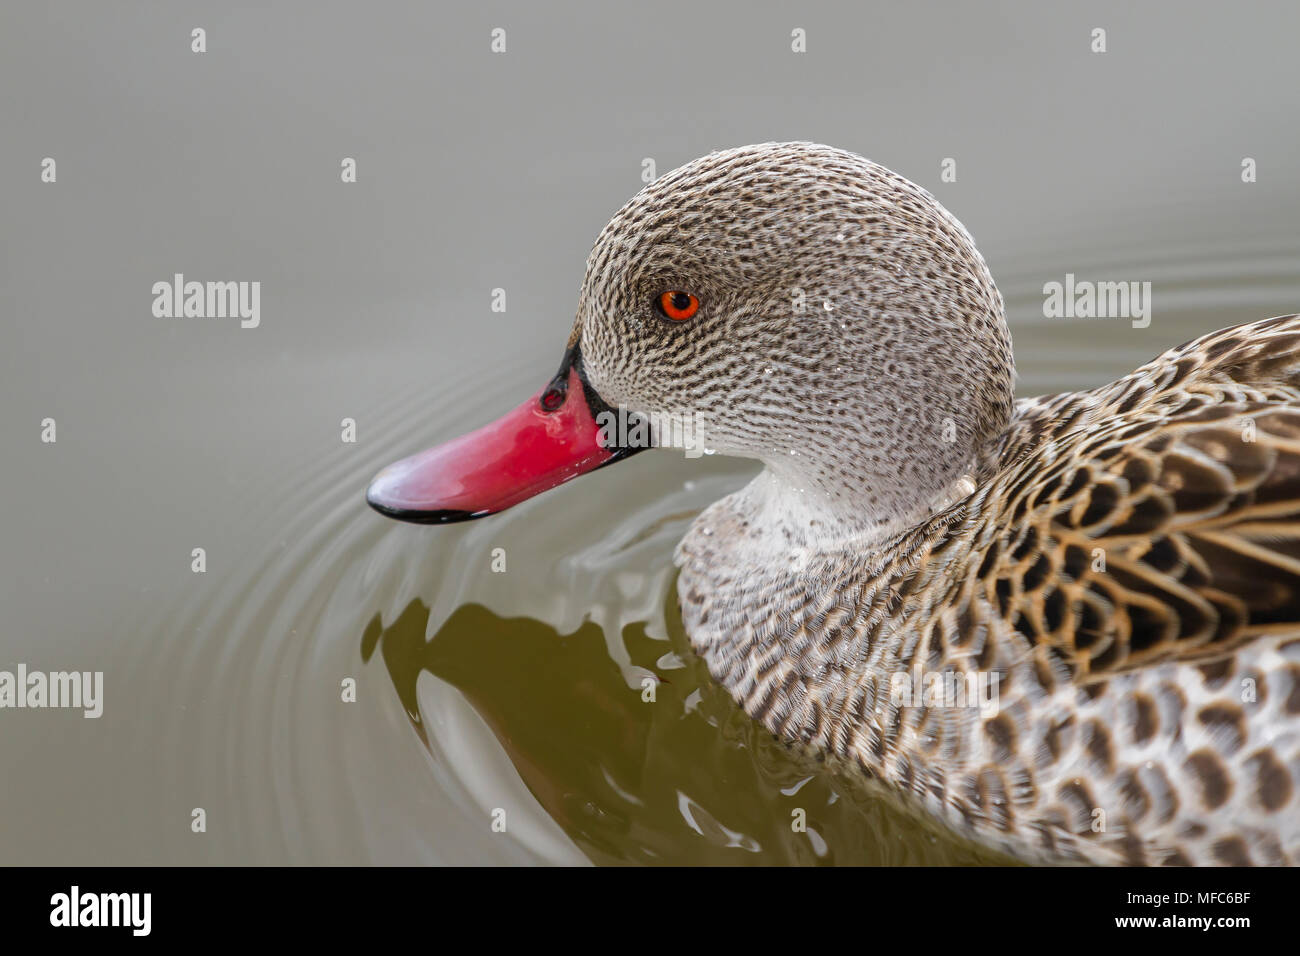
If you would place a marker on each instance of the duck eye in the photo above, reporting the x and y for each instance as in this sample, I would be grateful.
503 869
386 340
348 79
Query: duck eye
678 306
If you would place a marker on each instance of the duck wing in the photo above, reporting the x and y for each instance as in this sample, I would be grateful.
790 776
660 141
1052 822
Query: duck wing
1157 518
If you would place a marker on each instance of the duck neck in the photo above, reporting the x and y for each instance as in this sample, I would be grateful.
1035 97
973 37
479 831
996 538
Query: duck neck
848 512
788 608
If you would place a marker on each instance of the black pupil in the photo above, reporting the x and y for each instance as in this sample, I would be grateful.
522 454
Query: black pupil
681 301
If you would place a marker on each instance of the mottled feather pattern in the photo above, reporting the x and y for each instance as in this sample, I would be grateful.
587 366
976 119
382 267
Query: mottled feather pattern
1163 690
787 245
1124 561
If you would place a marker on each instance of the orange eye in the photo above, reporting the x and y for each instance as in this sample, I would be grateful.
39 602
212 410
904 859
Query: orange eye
678 306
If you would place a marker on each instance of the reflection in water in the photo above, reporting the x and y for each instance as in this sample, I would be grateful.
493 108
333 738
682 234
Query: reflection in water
685 778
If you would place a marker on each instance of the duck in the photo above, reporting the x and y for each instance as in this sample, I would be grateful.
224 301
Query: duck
1066 627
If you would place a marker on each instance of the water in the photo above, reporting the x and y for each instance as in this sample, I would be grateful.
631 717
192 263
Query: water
480 692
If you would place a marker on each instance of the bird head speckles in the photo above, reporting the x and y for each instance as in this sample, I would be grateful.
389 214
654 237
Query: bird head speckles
838 303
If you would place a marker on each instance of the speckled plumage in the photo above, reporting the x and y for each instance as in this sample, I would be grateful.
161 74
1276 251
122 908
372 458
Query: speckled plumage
1125 561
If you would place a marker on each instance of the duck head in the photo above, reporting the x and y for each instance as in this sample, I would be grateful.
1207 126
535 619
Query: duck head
787 302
